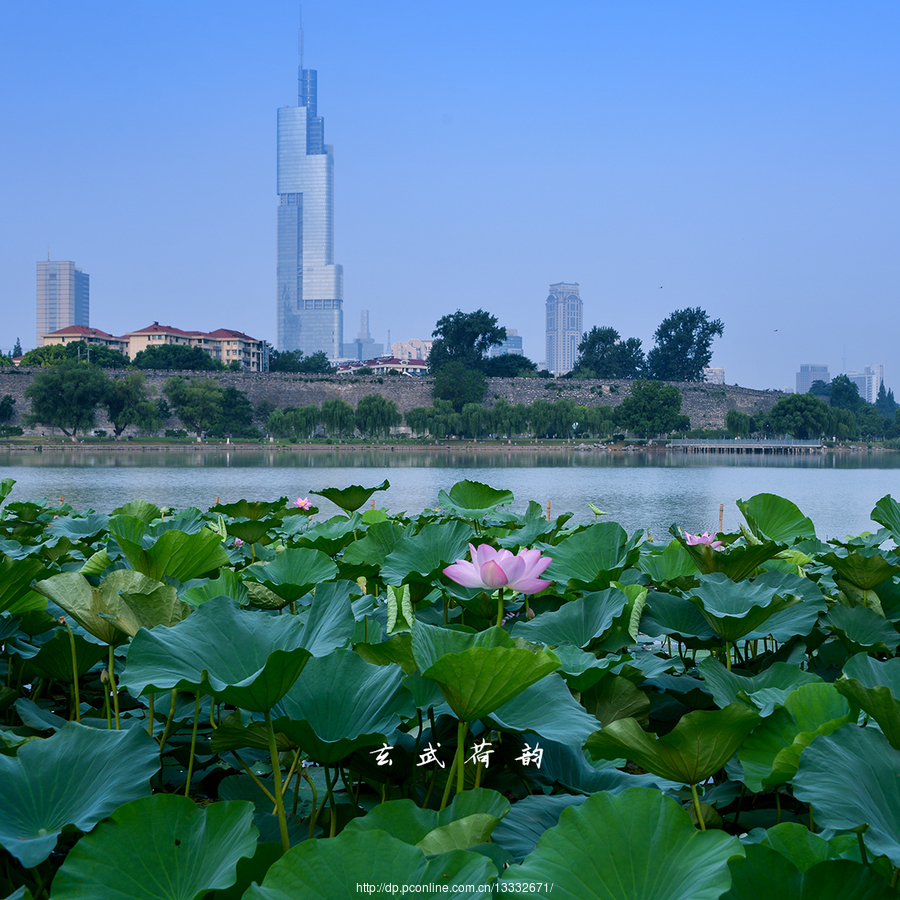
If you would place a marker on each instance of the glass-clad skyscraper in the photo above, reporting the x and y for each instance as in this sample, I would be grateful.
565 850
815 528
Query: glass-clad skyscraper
63 297
310 285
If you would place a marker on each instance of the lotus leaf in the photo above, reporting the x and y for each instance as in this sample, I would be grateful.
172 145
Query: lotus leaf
764 872
887 513
594 852
616 698
293 573
340 704
796 843
77 777
430 642
736 562
698 746
16 576
228 584
582 670
529 818
350 498
54 658
667 614
770 756
669 564
422 556
590 559
727 687
139 509
160 848
233 734
861 629
473 500
859 573
333 869
875 687
776 519
852 780
330 536
374 547
577 622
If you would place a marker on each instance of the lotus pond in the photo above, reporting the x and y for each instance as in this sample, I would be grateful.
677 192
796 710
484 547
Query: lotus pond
253 702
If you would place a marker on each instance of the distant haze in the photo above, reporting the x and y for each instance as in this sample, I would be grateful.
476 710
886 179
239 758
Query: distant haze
741 156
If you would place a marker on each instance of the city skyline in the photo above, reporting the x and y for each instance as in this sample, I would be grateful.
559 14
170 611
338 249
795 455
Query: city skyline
743 159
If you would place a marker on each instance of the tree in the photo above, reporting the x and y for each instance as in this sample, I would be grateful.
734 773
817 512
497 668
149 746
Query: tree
603 354
127 403
66 396
237 415
460 384
197 403
683 345
376 415
17 349
303 421
48 355
737 423
6 409
885 403
819 388
800 415
508 365
294 361
417 420
845 394
464 338
177 356
652 408
98 354
870 422
338 418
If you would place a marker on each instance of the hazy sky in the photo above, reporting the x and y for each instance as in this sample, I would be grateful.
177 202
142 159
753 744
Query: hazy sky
742 155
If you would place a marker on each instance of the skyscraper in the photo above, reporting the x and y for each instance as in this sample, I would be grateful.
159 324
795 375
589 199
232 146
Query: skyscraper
564 327
310 285
63 297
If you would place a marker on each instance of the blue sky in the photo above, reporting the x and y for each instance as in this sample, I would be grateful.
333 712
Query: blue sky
741 155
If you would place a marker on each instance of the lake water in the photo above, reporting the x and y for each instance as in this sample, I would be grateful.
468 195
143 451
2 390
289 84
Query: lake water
638 490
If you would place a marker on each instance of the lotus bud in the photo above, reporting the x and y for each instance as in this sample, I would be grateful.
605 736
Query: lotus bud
62 620
104 676
361 581
529 614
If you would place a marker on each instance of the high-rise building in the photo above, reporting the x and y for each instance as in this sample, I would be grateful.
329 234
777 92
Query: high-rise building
310 286
564 327
363 347
512 344
63 297
810 372
868 381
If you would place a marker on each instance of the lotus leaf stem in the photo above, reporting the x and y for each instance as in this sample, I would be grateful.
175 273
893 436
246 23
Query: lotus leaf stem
190 771
150 714
449 782
112 681
212 714
499 607
697 809
728 656
895 876
778 807
314 812
737 815
276 775
169 721
290 775
461 752
68 628
254 776
332 806
862 851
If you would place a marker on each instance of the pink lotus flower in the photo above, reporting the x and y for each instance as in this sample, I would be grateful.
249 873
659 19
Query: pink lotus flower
491 569
303 502
705 538
238 542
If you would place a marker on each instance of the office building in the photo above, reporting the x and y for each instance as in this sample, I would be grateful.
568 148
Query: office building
63 297
564 327
310 286
868 382
363 347
714 374
810 372
411 350
512 344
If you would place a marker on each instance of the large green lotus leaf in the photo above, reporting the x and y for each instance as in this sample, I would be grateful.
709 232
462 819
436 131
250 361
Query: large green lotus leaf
397 649
582 670
161 848
735 562
77 777
328 621
726 687
410 823
431 642
73 593
6 486
735 609
174 554
776 519
252 510
770 756
616 698
16 576
373 549
473 500
667 565
861 629
54 659
590 559
228 584
577 622
852 780
350 498
330 536
529 818
139 509
766 873
864 569
637 844
875 687
887 513
78 529
699 745
233 734
333 869
797 844
422 556
549 710
668 614
293 573
479 680
251 531
341 703
244 658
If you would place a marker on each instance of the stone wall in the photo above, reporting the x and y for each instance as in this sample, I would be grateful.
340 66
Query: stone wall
705 404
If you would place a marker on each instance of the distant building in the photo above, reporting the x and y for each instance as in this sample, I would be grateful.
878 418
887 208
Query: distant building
714 375
868 381
63 297
512 345
363 347
810 372
223 344
413 349
564 327
385 365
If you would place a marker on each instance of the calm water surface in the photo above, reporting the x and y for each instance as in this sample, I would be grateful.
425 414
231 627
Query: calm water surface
639 490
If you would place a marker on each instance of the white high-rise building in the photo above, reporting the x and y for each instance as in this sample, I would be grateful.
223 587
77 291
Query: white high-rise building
564 327
63 297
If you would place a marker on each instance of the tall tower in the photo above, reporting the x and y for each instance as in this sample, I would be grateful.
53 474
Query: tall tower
63 297
310 286
564 327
